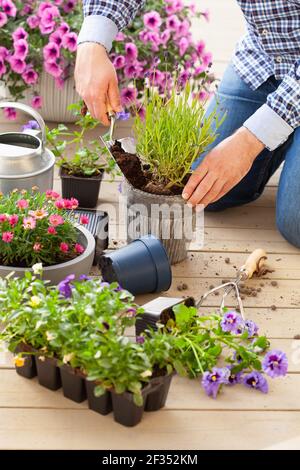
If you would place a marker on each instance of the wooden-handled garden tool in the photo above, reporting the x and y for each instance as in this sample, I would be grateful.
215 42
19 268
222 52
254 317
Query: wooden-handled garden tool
253 264
160 309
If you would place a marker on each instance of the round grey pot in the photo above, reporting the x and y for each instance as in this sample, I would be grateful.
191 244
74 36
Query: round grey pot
80 265
166 217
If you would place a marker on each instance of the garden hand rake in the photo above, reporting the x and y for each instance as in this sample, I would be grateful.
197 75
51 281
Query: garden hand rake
254 264
161 308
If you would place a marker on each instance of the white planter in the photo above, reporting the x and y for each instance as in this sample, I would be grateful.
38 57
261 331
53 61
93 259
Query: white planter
55 100
80 265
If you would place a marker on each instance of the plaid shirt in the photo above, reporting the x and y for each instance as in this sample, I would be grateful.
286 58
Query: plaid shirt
270 47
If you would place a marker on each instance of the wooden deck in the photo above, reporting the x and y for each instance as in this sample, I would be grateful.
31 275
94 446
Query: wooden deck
35 418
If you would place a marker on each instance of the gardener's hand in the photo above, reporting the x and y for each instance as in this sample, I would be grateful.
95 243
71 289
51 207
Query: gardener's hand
222 168
96 81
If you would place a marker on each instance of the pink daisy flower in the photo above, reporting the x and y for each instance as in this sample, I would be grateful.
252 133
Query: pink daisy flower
22 204
38 214
3 218
64 247
51 231
13 220
84 220
29 223
37 246
56 219
78 248
7 237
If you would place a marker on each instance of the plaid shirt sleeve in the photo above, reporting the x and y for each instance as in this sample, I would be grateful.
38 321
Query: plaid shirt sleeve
103 19
273 123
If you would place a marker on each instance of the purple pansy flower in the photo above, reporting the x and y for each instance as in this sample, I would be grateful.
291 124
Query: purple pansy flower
251 327
84 277
140 339
65 287
257 381
275 363
212 381
231 322
123 116
234 379
30 125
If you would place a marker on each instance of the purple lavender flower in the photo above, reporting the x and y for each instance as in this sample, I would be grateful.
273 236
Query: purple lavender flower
231 322
84 277
275 363
140 339
212 381
257 381
30 125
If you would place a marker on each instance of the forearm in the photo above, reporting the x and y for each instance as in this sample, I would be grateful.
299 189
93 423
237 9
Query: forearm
275 121
103 19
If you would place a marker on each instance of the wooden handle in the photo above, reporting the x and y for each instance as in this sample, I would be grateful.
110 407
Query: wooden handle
255 262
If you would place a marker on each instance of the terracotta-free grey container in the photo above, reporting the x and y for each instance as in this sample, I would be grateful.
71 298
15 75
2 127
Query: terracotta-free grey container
170 225
80 265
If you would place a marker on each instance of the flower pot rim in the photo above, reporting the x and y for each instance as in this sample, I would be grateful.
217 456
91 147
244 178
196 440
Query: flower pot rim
84 178
90 248
168 198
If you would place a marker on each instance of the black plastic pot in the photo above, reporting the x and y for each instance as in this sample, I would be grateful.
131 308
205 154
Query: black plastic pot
157 398
73 384
48 372
102 404
141 267
28 370
125 411
85 190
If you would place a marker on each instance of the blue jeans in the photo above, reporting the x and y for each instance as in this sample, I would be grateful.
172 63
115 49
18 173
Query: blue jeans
240 102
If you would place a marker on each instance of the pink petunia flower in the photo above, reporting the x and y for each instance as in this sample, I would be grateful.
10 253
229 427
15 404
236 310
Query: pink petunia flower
3 218
30 76
69 5
51 231
200 46
9 8
84 220
2 67
128 95
173 23
19 33
152 20
183 46
63 28
69 41
120 37
10 113
4 53
51 51
59 82
37 246
133 70
36 102
78 248
131 51
7 237
119 62
56 37
3 19
165 36
21 48
33 21
64 247
174 6
50 194
53 69
56 219
17 65
29 223
22 204
13 220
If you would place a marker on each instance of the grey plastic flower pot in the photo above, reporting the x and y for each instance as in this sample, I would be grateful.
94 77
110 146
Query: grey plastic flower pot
142 267
80 265
166 217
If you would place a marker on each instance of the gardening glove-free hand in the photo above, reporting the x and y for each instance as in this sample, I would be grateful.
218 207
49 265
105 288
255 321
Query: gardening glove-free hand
96 81
222 168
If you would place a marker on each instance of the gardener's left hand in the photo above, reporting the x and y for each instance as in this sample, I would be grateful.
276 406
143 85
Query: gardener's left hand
222 168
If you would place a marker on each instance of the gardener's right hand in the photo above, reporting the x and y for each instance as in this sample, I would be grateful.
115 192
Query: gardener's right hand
96 81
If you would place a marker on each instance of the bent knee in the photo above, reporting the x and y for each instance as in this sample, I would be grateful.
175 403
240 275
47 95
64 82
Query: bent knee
288 224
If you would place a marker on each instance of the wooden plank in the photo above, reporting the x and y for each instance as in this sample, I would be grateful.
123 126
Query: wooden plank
184 394
206 264
82 429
